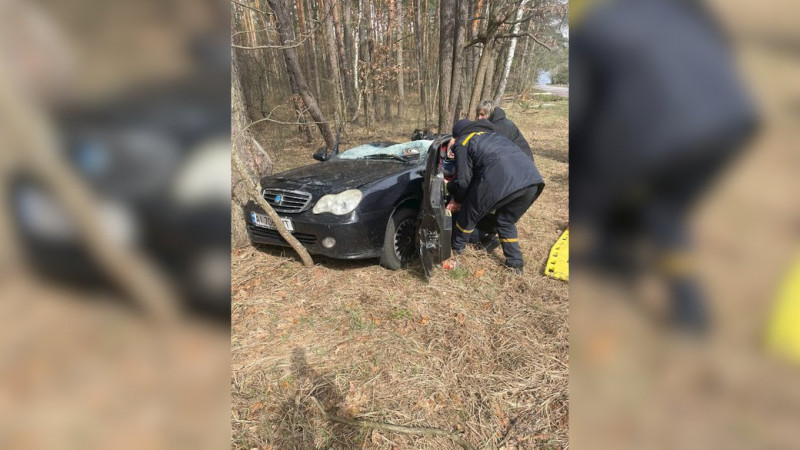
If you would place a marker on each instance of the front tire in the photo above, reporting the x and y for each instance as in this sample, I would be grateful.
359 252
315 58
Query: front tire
399 247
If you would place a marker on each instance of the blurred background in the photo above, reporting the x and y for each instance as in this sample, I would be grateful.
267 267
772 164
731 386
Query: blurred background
115 224
685 224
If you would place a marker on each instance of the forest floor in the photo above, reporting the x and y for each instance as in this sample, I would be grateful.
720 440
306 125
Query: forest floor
478 351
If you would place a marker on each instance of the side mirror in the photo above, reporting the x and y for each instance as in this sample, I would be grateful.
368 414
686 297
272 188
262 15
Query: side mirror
411 154
321 155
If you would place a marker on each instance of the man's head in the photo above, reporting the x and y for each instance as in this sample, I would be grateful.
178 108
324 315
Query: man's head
460 126
485 109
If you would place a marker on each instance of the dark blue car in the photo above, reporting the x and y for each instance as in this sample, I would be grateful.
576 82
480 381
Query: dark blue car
365 202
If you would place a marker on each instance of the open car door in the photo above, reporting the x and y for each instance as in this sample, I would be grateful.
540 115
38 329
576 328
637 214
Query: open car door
435 223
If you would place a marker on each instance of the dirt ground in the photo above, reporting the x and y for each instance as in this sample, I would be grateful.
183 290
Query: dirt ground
479 351
82 368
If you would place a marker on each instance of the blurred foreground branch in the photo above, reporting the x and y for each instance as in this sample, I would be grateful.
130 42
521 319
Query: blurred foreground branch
32 146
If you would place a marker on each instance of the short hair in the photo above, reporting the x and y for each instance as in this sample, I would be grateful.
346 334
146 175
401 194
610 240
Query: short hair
488 106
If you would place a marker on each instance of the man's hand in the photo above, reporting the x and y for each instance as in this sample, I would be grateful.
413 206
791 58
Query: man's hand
453 206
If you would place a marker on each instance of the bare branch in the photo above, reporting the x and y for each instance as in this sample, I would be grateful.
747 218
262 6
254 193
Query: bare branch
252 9
264 47
519 35
360 423
251 31
305 37
478 40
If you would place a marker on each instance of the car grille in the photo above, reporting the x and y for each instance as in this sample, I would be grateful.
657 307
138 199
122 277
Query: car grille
304 238
286 201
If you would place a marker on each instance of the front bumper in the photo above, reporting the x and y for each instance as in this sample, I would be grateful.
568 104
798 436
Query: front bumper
357 235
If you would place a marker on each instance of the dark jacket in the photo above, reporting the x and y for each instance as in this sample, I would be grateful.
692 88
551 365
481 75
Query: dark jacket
489 167
655 90
507 128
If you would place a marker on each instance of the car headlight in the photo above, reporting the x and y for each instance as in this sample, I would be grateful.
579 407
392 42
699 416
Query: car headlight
205 176
339 204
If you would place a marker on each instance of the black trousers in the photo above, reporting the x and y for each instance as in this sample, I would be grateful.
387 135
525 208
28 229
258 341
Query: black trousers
503 221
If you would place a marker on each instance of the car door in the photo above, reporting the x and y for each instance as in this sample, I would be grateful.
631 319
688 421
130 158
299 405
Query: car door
435 222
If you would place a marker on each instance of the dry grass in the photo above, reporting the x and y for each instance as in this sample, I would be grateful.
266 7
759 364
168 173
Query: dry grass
478 351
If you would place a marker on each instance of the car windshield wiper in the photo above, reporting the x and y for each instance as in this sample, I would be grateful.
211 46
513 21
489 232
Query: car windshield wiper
386 156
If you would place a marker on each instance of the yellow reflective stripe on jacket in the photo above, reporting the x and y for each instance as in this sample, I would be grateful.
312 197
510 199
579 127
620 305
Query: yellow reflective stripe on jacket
508 240
463 230
466 139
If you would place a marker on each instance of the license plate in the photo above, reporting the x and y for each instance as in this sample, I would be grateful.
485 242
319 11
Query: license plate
263 221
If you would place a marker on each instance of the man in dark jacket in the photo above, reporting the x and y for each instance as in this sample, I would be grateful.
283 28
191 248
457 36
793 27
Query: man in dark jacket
656 111
495 184
487 110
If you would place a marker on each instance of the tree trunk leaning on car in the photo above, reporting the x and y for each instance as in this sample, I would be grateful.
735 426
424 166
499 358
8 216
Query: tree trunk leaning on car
240 141
297 246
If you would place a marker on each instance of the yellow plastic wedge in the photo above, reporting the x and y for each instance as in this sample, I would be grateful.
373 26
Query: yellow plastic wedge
783 331
558 263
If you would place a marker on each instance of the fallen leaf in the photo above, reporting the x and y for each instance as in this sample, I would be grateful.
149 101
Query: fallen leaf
424 320
479 273
256 408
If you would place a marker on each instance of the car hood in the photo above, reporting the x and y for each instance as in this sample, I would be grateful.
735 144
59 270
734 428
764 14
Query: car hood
335 175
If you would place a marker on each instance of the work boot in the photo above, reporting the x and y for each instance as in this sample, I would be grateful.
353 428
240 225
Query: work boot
489 243
689 309
516 268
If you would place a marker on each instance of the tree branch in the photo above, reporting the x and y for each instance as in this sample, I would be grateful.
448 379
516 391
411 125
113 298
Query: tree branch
37 152
359 423
251 8
519 35
478 40
251 31
305 37
276 220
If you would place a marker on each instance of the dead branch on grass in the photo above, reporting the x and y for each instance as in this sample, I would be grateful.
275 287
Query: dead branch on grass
359 423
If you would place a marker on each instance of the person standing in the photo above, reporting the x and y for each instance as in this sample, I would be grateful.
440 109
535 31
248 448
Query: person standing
487 110
495 184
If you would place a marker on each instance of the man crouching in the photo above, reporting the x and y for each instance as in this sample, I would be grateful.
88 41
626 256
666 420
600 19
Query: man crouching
495 183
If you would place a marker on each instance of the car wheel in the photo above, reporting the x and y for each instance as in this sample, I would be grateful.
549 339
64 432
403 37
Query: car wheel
399 248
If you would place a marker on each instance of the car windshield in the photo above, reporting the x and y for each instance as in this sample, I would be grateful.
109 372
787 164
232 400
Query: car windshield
407 151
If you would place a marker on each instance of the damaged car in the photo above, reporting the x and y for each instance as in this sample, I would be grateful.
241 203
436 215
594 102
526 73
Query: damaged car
378 200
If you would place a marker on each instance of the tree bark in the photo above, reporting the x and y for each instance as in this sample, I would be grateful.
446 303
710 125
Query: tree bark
446 31
346 81
356 59
458 56
244 176
488 82
285 34
369 82
301 19
351 51
335 72
421 56
257 164
400 78
314 56
480 75
276 220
